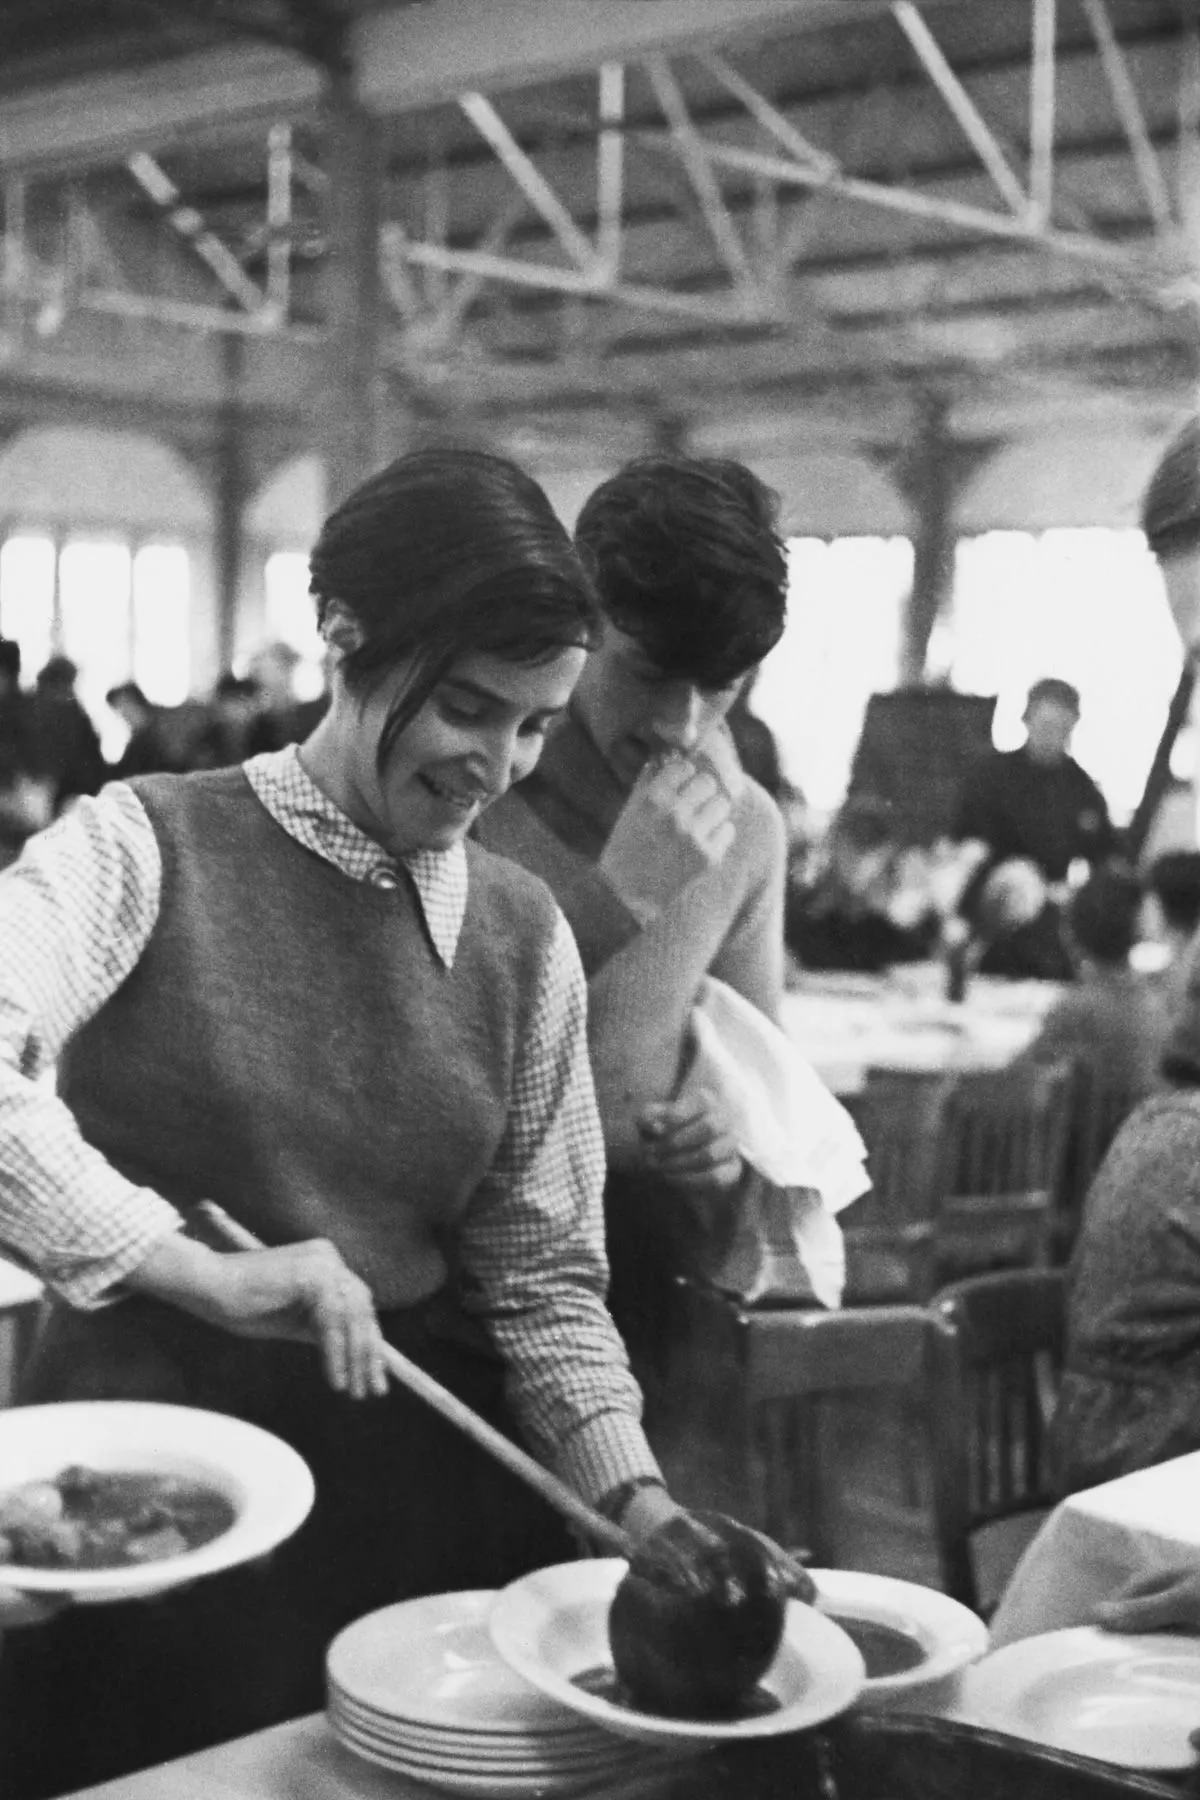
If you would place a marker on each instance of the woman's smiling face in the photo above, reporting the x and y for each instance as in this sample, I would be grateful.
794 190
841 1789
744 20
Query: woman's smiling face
481 729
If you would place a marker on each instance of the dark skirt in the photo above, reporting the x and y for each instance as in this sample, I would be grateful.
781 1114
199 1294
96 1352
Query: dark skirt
406 1505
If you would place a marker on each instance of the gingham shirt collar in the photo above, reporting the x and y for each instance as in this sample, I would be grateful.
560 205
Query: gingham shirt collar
295 802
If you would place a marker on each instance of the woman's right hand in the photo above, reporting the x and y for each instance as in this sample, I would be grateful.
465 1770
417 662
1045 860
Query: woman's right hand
302 1291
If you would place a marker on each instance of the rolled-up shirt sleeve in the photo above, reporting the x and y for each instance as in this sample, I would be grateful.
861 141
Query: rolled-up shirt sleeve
532 1253
76 912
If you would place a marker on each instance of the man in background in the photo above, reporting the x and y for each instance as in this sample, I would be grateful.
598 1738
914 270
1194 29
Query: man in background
667 861
1035 806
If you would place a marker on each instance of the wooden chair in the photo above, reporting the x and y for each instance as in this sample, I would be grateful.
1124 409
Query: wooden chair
748 1398
995 1352
967 1170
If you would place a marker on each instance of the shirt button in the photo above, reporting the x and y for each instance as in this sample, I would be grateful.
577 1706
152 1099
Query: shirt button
384 876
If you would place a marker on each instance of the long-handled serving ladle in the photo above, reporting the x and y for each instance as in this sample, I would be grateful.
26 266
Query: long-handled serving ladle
409 1375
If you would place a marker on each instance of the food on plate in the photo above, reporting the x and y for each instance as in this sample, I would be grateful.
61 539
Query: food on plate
102 1518
697 1619
885 1649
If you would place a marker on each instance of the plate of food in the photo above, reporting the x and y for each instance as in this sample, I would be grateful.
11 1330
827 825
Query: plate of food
111 1499
1129 1700
553 1628
908 1635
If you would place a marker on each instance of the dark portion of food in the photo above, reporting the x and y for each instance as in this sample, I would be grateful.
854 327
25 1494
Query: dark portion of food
603 1683
885 1650
100 1519
697 1619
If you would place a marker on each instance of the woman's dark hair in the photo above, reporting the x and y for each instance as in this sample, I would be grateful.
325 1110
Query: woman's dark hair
448 553
1171 501
1102 915
688 561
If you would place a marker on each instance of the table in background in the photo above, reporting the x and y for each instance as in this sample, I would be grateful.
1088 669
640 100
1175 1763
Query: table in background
1094 1541
845 1025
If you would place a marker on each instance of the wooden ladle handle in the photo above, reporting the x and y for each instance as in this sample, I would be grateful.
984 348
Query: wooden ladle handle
409 1375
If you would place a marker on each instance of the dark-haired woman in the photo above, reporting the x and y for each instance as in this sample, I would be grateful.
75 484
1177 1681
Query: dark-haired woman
292 987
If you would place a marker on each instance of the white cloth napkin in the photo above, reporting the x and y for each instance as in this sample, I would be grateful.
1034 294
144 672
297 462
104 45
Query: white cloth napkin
787 1124
799 1139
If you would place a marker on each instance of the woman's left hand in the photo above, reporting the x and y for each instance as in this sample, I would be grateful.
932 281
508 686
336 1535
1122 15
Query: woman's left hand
1166 1601
690 1144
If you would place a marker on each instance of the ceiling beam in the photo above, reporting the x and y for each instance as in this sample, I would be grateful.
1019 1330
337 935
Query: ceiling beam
405 57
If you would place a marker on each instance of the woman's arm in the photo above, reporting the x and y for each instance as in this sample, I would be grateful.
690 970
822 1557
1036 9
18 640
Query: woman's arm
533 1259
76 912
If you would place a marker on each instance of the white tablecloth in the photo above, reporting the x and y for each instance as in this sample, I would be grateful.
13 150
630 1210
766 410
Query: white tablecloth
1095 1541
892 1023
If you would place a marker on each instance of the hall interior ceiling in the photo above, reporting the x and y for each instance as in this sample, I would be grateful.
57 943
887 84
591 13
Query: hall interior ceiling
755 227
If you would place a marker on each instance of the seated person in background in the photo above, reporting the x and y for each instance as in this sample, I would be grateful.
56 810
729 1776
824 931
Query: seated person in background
1172 915
852 913
1130 1392
149 750
667 861
70 740
1111 1020
1035 804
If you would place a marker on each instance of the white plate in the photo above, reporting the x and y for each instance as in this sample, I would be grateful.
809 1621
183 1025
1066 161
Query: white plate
269 1486
432 1662
950 1634
624 1757
1127 1700
557 1747
552 1627
484 1782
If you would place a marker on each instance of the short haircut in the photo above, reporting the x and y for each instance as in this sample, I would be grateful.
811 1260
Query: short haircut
1054 689
444 554
128 691
688 560
1174 880
1103 915
1171 500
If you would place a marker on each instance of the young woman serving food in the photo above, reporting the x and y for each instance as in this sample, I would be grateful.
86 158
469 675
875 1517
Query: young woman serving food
294 988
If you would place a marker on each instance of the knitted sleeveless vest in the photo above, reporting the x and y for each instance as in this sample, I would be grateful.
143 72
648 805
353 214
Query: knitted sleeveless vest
291 1046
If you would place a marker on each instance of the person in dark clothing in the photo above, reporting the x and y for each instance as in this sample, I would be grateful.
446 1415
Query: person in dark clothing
70 740
149 750
27 785
1035 804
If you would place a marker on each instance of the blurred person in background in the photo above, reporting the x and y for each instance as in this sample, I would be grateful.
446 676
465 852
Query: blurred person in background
28 786
1172 917
1112 1019
149 748
849 907
1035 805
71 741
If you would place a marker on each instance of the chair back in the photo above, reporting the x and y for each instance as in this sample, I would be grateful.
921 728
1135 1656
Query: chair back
1001 1161
874 1755
995 1364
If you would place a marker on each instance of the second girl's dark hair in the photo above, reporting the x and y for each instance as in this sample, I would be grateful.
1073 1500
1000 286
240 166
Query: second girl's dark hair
689 562
448 553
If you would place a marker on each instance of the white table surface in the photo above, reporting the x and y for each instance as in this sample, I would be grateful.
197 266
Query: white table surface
893 1022
1093 1542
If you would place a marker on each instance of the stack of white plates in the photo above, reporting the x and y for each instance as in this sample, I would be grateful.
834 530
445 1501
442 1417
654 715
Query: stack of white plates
419 1689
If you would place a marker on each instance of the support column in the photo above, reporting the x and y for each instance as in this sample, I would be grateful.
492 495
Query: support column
932 472
349 426
231 497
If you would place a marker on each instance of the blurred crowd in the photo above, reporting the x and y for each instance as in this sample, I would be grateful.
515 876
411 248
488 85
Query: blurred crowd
50 747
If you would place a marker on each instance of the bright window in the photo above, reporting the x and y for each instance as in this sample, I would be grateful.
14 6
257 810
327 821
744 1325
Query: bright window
292 618
161 622
841 645
27 598
97 623
1087 605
